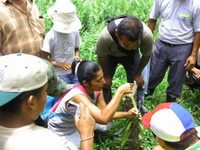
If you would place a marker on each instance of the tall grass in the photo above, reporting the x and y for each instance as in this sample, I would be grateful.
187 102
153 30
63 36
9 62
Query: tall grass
92 14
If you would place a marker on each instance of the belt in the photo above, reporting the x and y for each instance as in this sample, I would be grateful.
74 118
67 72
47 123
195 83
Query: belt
169 44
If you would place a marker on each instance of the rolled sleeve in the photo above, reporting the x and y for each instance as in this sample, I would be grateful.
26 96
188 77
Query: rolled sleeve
102 47
196 17
155 11
47 43
147 41
78 40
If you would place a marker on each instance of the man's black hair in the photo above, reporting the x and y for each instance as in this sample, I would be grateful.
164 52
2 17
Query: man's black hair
131 27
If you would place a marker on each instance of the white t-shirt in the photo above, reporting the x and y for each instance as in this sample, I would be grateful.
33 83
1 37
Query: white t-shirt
179 20
31 137
61 46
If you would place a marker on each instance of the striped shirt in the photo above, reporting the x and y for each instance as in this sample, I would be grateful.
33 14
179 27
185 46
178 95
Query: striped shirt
20 31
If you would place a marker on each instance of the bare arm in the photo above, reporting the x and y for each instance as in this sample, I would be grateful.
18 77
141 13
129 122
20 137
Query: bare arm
47 56
138 76
77 52
64 66
152 24
191 60
104 115
85 125
129 114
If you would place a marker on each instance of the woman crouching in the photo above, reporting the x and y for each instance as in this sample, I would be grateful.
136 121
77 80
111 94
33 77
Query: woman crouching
89 92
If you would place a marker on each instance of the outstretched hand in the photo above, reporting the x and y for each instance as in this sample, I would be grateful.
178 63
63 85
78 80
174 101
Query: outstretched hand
66 66
133 111
139 80
196 72
128 88
190 62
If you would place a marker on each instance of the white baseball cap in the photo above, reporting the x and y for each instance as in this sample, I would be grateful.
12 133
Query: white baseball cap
63 15
169 121
20 73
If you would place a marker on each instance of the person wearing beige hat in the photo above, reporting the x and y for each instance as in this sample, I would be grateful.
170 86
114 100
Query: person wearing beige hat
62 42
22 30
23 85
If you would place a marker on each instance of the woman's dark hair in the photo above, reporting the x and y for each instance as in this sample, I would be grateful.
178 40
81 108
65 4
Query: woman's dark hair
189 136
14 106
130 27
85 70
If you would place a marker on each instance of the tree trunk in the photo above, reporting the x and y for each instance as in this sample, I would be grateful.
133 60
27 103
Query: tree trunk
133 140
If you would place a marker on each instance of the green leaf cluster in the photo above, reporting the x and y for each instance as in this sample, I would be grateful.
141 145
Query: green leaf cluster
92 14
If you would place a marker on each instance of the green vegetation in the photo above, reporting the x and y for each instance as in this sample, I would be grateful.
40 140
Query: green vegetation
92 14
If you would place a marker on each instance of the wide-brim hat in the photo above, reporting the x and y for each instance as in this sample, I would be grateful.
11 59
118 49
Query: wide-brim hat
63 15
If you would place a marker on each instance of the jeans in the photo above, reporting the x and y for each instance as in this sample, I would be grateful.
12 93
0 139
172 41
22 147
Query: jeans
69 78
166 56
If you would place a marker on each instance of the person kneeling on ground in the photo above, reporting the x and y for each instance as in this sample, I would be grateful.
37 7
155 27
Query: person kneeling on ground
173 127
88 92
23 86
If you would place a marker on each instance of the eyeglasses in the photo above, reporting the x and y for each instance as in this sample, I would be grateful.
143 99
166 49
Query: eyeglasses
127 44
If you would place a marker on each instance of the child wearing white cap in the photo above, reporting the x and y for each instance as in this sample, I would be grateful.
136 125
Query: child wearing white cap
173 127
62 42
23 85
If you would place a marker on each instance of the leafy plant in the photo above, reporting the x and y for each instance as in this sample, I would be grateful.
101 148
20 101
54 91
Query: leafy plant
92 14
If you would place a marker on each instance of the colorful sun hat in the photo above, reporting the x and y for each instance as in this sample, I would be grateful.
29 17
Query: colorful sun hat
169 121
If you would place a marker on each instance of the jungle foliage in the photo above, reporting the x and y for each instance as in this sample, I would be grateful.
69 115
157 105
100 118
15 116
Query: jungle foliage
92 14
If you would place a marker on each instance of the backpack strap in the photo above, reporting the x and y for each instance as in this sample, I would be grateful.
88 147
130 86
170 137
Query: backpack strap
111 26
80 87
109 19
53 109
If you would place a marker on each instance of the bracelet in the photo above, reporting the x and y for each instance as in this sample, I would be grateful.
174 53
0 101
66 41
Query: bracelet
89 138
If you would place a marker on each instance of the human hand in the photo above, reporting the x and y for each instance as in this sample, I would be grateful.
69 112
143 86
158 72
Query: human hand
196 73
128 88
190 62
66 66
133 111
85 123
77 58
139 80
158 147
